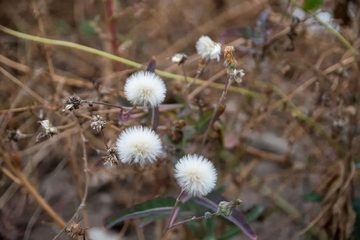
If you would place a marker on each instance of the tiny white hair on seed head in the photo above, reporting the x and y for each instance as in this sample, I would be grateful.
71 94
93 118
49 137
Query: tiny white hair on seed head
208 49
138 145
196 175
145 88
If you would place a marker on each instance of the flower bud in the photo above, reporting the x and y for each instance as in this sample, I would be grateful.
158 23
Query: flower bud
226 208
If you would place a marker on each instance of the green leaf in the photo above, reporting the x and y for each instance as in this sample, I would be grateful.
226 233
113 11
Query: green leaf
86 28
195 206
210 225
356 206
357 163
196 229
203 122
211 202
312 197
312 4
156 206
63 27
251 216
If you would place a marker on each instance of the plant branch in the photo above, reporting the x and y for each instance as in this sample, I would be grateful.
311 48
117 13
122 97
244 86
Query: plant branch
331 29
23 86
86 170
223 95
190 219
122 60
173 215
112 28
31 189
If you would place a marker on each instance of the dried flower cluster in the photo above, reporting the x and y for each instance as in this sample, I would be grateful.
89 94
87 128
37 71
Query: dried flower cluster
97 124
48 130
179 58
111 157
14 135
230 61
237 75
208 49
74 102
230 64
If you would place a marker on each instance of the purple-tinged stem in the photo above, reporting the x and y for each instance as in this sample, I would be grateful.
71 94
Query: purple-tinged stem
223 95
189 220
112 29
174 211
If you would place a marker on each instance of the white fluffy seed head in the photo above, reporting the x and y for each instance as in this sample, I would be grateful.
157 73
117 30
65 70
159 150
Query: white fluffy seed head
208 49
138 145
145 88
196 175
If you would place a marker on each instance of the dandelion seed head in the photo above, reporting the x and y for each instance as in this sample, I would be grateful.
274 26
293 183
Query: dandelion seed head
208 49
196 175
145 88
138 145
179 58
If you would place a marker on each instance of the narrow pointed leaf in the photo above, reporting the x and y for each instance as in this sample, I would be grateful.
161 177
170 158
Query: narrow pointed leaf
211 202
251 216
312 4
312 197
206 116
156 206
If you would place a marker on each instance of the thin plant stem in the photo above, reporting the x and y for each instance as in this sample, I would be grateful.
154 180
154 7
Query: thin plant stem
103 137
130 109
199 72
86 170
10 175
39 17
13 163
173 215
331 29
154 117
123 60
189 220
223 95
32 190
187 92
112 29
23 86
103 103
184 73
187 86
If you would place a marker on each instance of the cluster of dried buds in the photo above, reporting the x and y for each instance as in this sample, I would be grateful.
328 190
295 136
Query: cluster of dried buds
230 64
97 124
76 231
74 102
48 130
111 157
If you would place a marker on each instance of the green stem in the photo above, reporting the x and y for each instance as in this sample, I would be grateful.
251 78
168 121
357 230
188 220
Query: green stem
122 60
331 29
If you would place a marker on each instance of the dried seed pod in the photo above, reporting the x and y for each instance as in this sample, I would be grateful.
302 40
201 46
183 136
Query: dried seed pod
230 61
76 231
111 157
97 124
74 102
176 132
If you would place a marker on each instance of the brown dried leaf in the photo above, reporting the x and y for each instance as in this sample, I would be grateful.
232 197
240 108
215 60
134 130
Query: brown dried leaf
337 193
